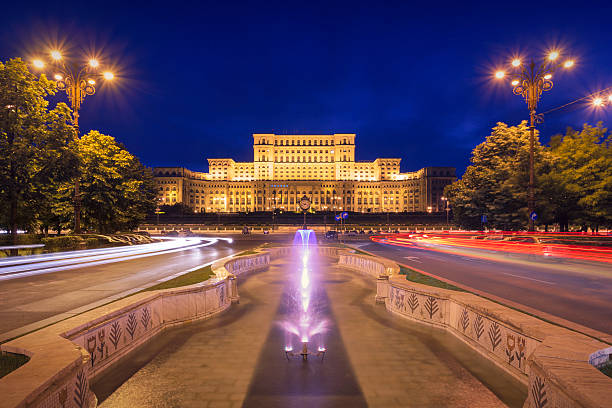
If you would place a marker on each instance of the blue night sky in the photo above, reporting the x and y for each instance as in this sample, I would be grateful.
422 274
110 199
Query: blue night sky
411 79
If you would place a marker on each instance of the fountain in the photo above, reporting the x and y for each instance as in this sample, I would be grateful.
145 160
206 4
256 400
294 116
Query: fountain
304 322
304 238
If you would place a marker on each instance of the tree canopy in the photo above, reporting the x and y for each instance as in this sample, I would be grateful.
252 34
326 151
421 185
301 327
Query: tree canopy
41 158
117 190
573 180
33 144
581 176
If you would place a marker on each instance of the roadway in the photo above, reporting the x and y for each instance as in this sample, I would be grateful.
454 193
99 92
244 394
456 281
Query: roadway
576 291
45 295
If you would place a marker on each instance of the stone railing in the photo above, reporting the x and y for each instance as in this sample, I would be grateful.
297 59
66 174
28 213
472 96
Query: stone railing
556 364
552 361
66 356
373 266
276 252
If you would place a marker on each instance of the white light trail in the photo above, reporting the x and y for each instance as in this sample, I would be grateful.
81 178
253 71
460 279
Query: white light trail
62 261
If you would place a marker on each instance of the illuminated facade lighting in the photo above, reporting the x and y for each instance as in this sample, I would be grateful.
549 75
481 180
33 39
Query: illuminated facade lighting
322 167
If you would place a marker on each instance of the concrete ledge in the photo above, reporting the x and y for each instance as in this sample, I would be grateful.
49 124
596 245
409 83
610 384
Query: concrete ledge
553 362
66 356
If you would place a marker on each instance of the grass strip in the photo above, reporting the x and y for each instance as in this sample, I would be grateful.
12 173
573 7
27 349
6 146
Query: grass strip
414 276
193 277
10 362
247 252
190 278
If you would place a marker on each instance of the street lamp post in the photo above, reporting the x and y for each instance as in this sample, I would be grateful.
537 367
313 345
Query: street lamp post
446 208
529 81
77 80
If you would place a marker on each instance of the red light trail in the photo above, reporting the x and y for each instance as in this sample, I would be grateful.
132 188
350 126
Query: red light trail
562 245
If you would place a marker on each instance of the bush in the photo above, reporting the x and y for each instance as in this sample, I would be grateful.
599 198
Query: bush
92 242
95 240
65 242
22 239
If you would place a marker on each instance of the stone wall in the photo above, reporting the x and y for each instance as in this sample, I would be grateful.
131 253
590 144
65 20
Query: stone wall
64 357
552 361
556 364
373 266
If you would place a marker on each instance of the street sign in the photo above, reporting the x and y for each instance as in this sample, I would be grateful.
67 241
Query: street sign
533 216
338 217
483 219
344 215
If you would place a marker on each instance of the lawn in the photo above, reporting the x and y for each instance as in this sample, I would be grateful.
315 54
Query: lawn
193 277
414 276
247 252
190 278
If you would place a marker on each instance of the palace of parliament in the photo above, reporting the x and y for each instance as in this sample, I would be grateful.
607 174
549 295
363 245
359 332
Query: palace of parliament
321 167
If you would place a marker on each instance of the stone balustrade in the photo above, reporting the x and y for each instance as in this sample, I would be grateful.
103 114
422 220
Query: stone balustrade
553 362
556 364
373 266
66 356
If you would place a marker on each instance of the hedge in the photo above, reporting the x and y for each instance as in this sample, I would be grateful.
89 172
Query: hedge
68 241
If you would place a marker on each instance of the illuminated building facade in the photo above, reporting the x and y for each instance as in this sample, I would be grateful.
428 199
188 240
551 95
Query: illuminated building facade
287 167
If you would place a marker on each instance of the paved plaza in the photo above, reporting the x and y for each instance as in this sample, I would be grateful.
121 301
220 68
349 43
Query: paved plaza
374 358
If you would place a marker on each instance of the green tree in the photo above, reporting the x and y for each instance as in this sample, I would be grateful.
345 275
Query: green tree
117 191
496 182
33 143
581 176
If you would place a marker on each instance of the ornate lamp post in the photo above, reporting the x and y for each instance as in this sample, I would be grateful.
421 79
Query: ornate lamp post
529 81
77 80
446 208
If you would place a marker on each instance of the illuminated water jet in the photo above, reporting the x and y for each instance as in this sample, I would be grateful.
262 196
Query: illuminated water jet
304 323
